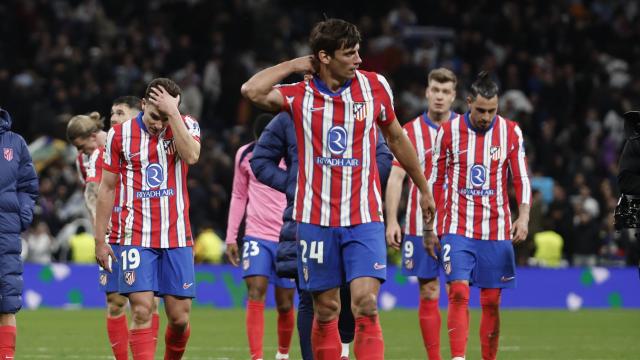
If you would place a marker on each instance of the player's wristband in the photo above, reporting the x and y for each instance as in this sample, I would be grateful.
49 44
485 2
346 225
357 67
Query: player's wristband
427 230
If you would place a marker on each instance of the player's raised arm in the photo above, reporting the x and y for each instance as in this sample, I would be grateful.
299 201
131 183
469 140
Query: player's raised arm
259 88
186 144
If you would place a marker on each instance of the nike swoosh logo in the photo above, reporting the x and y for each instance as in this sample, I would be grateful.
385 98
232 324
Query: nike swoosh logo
460 152
186 286
115 344
317 108
379 266
507 278
131 156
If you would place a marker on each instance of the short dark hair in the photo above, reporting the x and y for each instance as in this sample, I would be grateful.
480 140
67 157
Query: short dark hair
132 102
484 86
260 123
172 88
333 34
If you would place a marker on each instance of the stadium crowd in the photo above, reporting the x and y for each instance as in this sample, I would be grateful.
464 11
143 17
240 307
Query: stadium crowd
567 70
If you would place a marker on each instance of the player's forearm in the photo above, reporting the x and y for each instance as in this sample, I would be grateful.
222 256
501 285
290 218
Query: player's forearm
104 208
393 193
186 146
406 156
258 87
90 198
523 212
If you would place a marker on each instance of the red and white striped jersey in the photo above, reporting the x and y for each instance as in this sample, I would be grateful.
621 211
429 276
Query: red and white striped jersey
90 170
475 166
155 208
338 181
422 134
89 166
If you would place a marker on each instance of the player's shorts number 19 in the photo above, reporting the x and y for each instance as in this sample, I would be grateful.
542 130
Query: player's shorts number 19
130 259
316 250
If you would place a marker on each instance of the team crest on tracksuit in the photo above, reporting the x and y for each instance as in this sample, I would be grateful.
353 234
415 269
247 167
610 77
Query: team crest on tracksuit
8 154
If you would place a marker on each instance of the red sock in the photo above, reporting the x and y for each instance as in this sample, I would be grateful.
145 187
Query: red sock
430 322
175 342
490 323
255 327
141 342
325 340
458 318
368 343
155 325
118 332
285 330
7 342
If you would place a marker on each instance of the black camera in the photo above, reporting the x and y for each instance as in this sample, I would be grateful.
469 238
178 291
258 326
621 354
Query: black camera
627 212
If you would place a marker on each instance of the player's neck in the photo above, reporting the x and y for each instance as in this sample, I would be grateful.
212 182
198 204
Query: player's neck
101 138
330 81
438 118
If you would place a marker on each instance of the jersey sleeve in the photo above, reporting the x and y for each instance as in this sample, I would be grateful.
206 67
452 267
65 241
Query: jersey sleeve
291 93
112 156
385 97
239 197
518 167
192 127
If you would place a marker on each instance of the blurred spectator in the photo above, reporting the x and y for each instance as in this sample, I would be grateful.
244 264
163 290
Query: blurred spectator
548 248
82 247
209 247
39 243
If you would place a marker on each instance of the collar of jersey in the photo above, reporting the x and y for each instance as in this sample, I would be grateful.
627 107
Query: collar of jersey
430 122
470 126
322 87
140 122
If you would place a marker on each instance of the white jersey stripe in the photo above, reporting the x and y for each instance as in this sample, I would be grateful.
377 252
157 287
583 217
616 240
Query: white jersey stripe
325 196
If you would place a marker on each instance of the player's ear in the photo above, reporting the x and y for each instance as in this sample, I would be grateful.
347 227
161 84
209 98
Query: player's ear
324 57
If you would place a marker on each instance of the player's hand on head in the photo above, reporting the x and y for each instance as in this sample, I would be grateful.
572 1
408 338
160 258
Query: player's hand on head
232 254
519 231
431 242
307 65
394 235
163 101
103 252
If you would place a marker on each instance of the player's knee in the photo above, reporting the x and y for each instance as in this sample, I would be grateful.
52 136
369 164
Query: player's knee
141 313
490 298
459 293
178 320
365 305
256 293
284 307
116 304
430 290
326 310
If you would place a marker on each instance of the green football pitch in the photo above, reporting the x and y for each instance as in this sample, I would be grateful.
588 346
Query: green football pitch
219 334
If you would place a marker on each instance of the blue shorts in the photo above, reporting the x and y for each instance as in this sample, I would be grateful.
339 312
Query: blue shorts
109 280
163 271
485 264
416 261
259 259
331 256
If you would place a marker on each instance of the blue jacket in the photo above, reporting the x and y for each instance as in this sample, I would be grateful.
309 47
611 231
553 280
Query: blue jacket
278 140
18 193
18 182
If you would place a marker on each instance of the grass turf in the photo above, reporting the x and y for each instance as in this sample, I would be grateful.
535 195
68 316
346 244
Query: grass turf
219 334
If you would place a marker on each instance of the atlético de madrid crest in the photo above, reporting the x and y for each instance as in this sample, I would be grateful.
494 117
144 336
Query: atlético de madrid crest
8 154
130 277
359 110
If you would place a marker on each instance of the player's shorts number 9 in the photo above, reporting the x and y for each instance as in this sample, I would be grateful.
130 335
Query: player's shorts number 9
446 249
130 259
253 245
408 249
316 251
